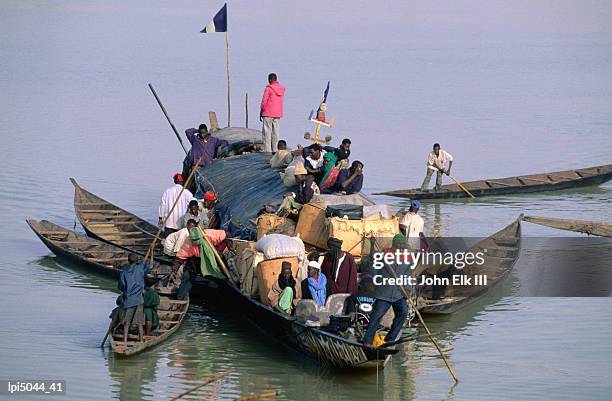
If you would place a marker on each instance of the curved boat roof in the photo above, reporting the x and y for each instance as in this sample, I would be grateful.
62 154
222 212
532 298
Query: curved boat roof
244 184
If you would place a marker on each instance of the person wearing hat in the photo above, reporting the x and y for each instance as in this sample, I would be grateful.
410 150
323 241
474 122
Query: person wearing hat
203 146
208 209
340 269
412 225
307 188
315 285
173 222
389 296
436 162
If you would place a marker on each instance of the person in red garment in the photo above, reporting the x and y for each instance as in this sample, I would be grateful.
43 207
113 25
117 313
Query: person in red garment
340 269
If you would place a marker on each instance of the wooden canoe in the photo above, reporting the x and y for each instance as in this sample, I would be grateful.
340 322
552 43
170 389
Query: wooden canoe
598 228
88 252
171 313
514 185
109 223
502 252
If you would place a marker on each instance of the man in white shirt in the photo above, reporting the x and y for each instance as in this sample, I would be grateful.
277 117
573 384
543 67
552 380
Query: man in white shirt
173 223
174 242
412 226
436 161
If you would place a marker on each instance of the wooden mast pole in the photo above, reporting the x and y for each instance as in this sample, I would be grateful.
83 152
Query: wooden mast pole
227 62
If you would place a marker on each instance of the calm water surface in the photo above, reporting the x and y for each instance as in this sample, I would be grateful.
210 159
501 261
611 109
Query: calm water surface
507 87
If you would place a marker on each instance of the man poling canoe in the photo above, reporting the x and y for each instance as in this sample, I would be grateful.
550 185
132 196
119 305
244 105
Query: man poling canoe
436 162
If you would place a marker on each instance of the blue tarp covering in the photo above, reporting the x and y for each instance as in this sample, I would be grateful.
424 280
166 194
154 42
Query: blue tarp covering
243 184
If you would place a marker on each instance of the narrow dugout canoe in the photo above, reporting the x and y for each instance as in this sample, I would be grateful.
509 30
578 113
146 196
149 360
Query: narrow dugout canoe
171 313
601 229
109 223
87 252
502 252
514 185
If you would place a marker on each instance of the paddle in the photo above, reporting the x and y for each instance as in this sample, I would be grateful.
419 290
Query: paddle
461 186
168 118
433 340
163 224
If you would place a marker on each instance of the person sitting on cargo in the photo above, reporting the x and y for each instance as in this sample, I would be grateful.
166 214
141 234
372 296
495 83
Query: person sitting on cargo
330 173
342 152
314 161
315 285
350 180
389 295
285 293
436 162
151 303
282 157
307 188
412 225
359 305
340 269
203 146
174 242
132 284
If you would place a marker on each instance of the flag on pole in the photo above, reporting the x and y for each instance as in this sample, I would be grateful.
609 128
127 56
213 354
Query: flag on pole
325 93
219 22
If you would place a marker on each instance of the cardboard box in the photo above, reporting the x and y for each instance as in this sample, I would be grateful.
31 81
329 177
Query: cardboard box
268 272
312 225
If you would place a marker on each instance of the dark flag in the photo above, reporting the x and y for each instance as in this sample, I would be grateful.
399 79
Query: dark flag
219 22
325 93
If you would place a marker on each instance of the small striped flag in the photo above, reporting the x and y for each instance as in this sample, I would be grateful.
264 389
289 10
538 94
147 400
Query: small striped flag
219 22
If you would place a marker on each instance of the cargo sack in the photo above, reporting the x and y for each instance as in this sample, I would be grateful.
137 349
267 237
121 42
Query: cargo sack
279 246
352 212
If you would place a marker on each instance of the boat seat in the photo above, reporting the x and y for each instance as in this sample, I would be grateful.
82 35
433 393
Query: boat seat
309 312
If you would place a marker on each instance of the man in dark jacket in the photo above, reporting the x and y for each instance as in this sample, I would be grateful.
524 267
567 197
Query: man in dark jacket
340 269
131 284
350 180
388 296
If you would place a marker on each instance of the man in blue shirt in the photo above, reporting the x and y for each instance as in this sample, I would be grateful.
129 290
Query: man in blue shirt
132 284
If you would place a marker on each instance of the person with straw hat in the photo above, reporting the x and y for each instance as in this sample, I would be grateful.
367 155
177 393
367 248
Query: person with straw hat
307 188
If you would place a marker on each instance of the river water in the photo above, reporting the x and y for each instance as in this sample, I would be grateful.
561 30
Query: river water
507 87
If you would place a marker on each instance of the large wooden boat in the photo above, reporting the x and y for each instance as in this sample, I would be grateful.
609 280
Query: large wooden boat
514 185
501 251
109 223
171 313
88 252
598 228
328 348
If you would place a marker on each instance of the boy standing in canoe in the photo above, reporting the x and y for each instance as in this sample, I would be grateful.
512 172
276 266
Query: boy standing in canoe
132 285
436 162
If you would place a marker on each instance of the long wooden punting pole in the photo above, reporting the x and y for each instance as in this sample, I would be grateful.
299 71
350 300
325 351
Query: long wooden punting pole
150 252
431 337
168 118
461 186
209 380
227 62
217 256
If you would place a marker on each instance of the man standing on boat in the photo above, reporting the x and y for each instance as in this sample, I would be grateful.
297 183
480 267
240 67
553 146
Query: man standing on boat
271 112
132 284
173 222
389 296
436 162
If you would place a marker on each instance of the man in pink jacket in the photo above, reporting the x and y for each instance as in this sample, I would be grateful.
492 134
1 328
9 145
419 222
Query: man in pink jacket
271 112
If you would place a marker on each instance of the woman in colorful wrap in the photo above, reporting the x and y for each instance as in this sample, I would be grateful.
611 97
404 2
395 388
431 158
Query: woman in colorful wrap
315 285
285 293
330 173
